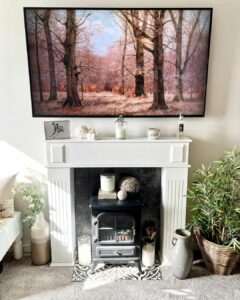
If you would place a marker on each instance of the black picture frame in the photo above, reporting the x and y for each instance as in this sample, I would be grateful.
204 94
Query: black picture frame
106 115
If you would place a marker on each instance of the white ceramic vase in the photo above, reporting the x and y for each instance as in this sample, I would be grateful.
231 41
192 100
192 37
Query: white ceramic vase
182 255
40 241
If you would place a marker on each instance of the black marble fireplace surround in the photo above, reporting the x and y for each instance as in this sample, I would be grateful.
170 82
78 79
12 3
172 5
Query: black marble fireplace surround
87 182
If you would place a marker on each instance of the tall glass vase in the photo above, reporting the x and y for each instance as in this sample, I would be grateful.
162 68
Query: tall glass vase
40 241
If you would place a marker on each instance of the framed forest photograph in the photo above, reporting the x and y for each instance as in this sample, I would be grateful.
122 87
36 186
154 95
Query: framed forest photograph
88 62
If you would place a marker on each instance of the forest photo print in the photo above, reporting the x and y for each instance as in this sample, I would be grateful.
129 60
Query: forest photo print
108 62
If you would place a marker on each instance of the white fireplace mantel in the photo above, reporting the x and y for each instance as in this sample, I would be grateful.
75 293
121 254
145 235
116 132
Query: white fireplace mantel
169 154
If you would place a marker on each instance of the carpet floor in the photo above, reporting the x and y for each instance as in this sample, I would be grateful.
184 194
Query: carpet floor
21 280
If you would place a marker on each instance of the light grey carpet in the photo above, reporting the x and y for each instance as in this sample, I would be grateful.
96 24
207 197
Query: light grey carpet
21 280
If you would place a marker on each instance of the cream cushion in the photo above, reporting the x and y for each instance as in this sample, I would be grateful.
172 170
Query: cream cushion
6 196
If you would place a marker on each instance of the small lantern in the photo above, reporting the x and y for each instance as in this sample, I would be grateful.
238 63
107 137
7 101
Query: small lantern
120 128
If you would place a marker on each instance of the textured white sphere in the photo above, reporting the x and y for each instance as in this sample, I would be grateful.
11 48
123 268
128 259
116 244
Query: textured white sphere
122 195
129 184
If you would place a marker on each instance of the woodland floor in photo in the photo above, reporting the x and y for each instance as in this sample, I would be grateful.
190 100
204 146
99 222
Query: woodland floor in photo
97 104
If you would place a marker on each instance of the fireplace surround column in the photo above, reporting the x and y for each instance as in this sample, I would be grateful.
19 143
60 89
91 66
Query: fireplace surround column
62 216
172 207
169 154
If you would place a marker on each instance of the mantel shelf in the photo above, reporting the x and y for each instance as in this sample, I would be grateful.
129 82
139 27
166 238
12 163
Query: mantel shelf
141 152
129 140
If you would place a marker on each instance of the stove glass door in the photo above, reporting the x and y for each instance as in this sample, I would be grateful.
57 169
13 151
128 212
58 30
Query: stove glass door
115 228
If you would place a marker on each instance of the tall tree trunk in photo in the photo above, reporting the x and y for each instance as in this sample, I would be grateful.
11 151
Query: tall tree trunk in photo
39 79
180 66
123 60
70 60
139 76
158 55
133 19
178 85
51 63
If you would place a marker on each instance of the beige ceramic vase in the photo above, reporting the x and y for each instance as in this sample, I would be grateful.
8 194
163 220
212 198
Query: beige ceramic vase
40 241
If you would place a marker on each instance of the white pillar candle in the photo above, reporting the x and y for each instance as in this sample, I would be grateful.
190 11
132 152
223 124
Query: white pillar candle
120 132
84 254
84 250
148 254
107 182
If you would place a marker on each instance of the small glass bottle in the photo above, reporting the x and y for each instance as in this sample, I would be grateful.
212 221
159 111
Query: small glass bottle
120 128
180 130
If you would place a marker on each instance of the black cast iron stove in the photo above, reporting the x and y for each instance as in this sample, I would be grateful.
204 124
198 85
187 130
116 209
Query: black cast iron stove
116 232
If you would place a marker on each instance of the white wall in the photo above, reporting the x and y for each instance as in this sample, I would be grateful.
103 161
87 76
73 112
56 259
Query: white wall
216 132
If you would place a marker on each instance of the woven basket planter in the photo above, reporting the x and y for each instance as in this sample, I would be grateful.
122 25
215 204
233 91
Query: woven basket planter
218 259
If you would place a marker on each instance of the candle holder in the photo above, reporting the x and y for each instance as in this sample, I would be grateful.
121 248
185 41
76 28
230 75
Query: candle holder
120 128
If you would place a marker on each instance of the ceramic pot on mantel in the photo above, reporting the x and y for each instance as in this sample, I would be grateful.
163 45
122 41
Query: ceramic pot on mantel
40 241
182 254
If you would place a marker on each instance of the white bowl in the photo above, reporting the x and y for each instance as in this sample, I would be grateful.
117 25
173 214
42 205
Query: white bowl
153 133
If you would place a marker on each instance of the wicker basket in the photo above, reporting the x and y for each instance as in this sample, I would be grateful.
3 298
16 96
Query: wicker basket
218 259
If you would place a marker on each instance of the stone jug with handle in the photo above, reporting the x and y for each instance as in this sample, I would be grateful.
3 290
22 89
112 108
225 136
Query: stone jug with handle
182 254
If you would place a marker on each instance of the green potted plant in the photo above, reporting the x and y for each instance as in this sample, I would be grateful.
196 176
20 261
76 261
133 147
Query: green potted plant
33 191
215 217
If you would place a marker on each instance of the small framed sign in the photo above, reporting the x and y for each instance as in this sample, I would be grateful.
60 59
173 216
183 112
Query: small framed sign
55 130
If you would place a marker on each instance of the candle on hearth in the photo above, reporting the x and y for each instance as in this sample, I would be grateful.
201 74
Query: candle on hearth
148 253
84 250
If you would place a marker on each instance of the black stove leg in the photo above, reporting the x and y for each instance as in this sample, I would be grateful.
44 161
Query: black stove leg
139 267
93 267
